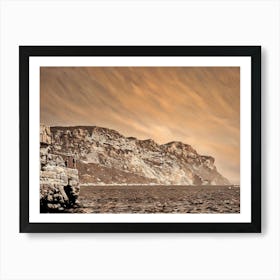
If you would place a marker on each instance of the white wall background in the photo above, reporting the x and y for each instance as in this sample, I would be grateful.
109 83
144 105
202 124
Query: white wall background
139 256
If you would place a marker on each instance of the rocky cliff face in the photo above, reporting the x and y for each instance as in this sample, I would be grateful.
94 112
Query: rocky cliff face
104 156
59 185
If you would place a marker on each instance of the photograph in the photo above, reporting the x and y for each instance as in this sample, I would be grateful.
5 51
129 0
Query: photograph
140 140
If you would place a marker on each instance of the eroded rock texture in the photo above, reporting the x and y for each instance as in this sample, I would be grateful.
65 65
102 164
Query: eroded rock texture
59 184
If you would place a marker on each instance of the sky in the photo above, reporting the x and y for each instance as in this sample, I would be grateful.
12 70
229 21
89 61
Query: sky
199 106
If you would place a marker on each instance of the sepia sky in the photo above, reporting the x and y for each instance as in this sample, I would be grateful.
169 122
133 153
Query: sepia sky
196 105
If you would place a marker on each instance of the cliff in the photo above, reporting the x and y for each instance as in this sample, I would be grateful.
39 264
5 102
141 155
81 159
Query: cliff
104 156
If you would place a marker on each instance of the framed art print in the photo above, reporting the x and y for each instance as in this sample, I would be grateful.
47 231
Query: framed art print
140 138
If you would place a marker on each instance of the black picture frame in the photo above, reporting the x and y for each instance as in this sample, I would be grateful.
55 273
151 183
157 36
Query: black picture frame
25 52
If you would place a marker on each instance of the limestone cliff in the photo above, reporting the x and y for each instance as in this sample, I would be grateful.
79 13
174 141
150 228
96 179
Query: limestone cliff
104 156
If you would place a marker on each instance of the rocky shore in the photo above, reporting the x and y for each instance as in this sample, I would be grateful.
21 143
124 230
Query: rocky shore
59 184
122 174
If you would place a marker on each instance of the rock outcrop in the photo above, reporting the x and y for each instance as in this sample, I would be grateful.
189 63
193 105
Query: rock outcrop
59 185
107 157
